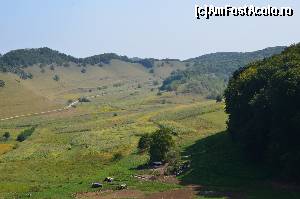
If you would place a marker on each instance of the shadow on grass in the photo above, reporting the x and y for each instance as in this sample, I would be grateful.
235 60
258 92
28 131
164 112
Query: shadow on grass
220 171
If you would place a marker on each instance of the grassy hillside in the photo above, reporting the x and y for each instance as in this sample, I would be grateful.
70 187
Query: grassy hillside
209 74
17 95
64 152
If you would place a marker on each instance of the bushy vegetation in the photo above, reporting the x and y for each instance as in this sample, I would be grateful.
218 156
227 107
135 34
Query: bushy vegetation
262 100
147 63
14 61
2 83
56 78
6 135
210 73
145 142
159 144
83 99
25 134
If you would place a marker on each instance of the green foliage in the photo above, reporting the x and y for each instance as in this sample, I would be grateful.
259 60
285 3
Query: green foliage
2 83
145 142
210 73
262 100
25 134
56 78
162 143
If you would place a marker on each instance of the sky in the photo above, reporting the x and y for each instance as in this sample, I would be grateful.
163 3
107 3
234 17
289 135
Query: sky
141 28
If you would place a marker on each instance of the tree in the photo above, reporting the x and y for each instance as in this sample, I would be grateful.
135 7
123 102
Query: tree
162 143
262 100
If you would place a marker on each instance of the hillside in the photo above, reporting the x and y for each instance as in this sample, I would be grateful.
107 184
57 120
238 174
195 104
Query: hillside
209 74
16 60
262 100
51 79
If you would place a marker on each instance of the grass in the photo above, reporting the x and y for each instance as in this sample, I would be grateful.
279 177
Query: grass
70 150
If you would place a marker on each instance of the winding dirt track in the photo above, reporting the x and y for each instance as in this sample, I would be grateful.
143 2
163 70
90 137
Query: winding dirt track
50 111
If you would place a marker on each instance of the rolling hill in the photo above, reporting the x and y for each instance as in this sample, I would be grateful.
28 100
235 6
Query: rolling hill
208 74
51 79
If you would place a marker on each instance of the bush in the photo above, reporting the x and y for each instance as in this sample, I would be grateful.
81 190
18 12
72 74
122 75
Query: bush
56 78
83 70
162 143
2 83
25 134
6 135
83 99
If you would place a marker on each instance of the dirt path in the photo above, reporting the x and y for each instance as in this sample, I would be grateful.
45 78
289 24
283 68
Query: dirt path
49 111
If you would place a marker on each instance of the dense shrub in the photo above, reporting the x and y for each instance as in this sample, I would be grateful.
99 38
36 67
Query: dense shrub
262 101
162 143
56 78
209 74
83 99
6 135
83 70
25 134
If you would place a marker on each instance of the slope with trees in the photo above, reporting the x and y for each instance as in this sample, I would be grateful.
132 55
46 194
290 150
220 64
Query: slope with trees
262 100
209 74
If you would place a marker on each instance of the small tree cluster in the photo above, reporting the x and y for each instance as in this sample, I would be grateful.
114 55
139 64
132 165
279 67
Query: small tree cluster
159 144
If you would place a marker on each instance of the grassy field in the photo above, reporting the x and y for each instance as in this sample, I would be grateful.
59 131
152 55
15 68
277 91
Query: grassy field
71 149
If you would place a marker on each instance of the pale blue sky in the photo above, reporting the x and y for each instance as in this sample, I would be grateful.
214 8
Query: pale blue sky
152 28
